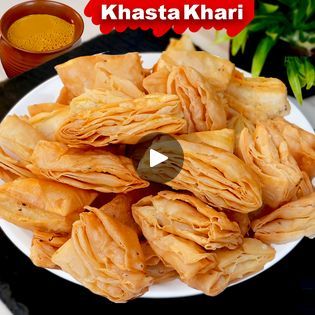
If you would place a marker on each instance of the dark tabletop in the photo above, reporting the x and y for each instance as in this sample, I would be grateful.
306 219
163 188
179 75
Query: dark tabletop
286 288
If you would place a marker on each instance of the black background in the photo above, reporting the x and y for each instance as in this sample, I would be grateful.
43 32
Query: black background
286 288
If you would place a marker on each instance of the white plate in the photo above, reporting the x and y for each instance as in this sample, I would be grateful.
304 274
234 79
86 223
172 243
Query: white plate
48 92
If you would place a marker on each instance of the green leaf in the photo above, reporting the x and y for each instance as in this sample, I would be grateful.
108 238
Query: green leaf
293 77
298 15
273 34
301 11
267 7
309 74
310 8
289 3
308 26
257 26
239 42
265 21
261 54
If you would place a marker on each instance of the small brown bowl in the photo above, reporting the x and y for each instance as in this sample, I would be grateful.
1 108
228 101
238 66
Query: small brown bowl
16 60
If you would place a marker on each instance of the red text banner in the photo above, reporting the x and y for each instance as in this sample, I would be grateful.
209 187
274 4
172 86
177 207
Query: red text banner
160 16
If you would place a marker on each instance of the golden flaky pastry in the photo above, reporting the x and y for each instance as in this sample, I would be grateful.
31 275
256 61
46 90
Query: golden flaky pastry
77 173
305 187
156 82
213 175
124 122
65 96
276 168
44 108
155 267
242 219
223 138
288 223
44 245
257 98
47 123
107 81
11 169
233 265
301 143
41 204
96 98
188 217
202 106
216 71
184 43
238 123
105 256
183 255
209 272
119 208
114 72
91 169
78 74
18 137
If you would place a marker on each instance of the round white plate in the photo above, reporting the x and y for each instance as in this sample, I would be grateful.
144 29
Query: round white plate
48 92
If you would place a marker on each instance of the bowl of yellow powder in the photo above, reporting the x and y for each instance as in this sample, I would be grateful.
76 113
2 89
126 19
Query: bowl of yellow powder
34 32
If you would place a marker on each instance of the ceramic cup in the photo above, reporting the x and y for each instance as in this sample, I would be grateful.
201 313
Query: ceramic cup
16 60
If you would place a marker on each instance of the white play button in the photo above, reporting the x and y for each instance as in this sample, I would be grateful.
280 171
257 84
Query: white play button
156 158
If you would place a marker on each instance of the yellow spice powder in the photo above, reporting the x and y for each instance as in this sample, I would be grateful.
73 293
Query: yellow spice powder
40 32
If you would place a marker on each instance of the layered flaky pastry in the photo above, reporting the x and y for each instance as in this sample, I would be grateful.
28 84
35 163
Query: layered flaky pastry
65 96
42 205
105 256
271 160
287 223
185 256
238 123
44 245
102 118
96 98
223 138
19 137
119 208
11 169
78 74
44 108
124 122
94 169
183 43
212 174
233 265
301 143
48 122
257 98
305 187
155 268
189 218
107 81
216 71
127 67
242 219
105 72
210 272
202 106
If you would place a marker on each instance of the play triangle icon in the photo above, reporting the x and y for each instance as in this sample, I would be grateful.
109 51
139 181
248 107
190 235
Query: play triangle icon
156 158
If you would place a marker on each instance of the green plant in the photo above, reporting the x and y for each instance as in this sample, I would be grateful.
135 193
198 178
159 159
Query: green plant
291 21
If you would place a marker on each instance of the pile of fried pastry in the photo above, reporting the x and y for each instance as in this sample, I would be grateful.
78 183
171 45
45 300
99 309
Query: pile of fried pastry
70 174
